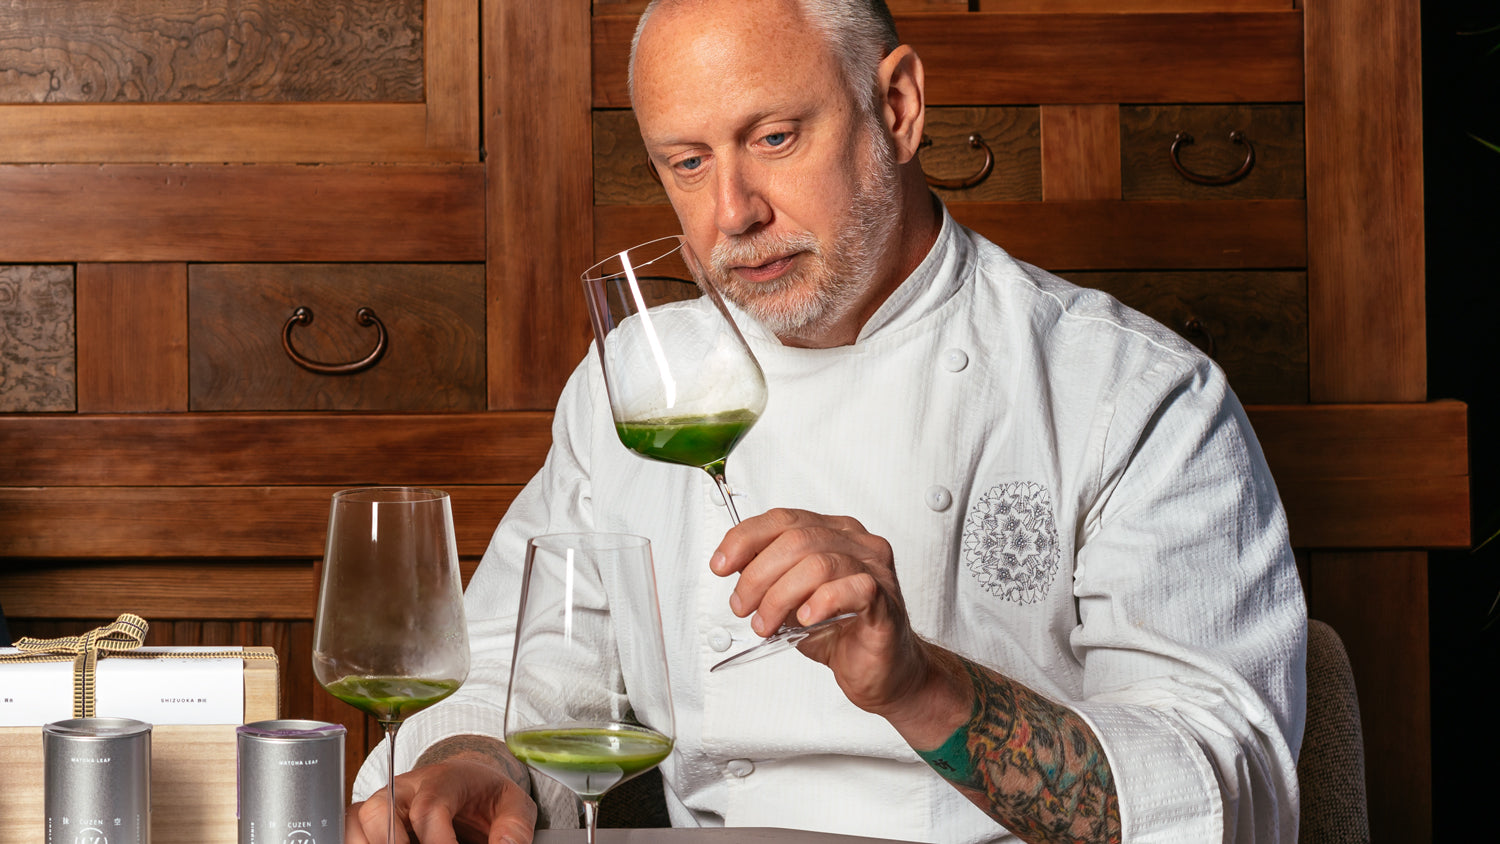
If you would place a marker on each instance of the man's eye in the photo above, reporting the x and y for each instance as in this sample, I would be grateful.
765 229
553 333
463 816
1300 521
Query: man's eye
689 164
775 139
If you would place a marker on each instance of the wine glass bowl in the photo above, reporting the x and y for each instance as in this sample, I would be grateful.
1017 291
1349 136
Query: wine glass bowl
389 637
589 703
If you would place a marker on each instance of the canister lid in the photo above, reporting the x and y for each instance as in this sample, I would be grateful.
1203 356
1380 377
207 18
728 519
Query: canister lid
291 729
97 728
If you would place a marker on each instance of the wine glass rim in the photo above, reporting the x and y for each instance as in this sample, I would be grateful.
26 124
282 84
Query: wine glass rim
590 540
390 494
595 273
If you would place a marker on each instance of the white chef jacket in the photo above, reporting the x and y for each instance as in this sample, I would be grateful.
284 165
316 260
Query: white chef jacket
1074 498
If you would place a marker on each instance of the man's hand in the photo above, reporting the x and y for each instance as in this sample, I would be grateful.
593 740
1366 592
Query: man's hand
797 567
466 797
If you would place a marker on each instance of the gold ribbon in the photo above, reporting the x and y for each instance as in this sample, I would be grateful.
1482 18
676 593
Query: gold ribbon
118 638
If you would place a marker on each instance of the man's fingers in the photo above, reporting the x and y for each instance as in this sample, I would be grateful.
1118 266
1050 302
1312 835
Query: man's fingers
354 831
515 822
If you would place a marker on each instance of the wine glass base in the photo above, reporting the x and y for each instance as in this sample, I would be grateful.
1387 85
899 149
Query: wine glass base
783 639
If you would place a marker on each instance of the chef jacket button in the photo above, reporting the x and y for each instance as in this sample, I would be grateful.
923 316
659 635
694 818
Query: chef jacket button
938 498
719 639
739 767
954 360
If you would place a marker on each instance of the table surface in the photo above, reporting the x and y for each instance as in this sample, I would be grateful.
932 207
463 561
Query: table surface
737 835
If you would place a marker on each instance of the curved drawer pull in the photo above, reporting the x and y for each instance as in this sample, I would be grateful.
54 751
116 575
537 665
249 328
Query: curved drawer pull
1194 325
304 316
1238 137
976 141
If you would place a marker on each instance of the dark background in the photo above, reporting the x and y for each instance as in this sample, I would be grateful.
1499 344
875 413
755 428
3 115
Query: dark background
1461 95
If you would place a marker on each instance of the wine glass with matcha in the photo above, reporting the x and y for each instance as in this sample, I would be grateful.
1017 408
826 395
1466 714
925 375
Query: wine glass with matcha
683 385
389 637
589 703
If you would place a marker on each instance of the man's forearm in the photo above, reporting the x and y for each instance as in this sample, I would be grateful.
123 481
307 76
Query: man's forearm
481 748
1030 763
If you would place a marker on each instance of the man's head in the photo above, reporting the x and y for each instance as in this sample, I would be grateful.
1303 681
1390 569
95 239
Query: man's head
785 133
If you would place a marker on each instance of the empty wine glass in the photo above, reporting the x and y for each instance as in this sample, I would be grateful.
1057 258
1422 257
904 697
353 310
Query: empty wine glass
389 638
589 703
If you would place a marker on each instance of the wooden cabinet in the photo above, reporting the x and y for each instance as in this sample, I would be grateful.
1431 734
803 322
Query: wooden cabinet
163 213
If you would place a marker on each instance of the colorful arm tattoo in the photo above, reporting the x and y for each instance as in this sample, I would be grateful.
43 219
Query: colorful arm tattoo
1031 764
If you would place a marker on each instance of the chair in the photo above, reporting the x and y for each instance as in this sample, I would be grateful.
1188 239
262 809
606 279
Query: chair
1331 768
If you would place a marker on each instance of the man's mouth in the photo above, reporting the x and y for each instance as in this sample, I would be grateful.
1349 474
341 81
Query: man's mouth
769 271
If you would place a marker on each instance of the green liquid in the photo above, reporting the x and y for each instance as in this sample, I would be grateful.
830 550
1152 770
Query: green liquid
590 760
392 698
701 441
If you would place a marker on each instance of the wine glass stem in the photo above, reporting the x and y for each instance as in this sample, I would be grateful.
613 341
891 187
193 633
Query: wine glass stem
591 817
390 740
728 499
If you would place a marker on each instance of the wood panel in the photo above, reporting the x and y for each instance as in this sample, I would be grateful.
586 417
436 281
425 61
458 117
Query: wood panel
197 522
1080 152
1274 131
132 337
1133 5
1062 236
1378 604
432 316
441 128
115 213
539 198
162 51
37 339
618 7
1366 257
1218 57
272 449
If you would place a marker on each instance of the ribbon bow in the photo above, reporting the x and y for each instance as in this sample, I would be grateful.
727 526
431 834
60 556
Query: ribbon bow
125 633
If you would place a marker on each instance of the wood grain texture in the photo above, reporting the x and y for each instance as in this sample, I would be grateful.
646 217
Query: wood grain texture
1061 236
299 449
1012 133
1377 602
37 339
207 523
1080 152
118 213
1254 324
167 51
537 134
1275 131
1059 6
1063 59
1366 257
433 315
618 7
451 53
132 338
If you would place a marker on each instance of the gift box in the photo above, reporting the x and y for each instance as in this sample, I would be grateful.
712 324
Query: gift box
193 765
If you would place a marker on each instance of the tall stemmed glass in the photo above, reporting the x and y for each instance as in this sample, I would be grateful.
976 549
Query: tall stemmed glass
683 385
389 638
589 703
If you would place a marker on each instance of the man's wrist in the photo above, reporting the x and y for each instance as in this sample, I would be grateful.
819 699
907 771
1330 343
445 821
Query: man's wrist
477 748
940 702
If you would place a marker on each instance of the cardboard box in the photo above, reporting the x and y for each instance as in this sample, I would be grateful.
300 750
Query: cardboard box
194 796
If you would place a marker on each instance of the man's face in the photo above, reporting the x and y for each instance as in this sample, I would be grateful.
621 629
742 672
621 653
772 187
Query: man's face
785 190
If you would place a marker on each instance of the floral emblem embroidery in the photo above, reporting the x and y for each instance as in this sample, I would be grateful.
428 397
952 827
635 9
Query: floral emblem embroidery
1010 542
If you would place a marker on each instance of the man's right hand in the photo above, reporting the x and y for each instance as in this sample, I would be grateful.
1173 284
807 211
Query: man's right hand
461 799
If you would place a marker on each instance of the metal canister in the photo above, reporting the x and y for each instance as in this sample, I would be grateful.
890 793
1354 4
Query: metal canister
291 777
97 781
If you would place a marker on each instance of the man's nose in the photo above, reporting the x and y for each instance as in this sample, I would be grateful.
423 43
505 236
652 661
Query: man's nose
740 205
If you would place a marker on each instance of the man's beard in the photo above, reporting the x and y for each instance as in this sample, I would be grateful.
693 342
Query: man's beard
828 284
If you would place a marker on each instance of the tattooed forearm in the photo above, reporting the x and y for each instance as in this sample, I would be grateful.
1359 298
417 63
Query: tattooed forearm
472 746
1033 765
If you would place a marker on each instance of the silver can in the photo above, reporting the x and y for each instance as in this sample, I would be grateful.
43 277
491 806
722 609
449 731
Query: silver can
291 777
97 781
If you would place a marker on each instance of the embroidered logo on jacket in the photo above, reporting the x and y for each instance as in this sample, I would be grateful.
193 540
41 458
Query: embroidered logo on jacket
1010 542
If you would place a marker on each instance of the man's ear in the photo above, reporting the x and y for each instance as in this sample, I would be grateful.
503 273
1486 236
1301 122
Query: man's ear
903 84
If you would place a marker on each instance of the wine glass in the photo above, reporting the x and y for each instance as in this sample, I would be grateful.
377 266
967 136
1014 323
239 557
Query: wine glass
389 638
683 385
589 704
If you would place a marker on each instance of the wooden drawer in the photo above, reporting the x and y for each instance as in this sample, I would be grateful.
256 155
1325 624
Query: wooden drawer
37 346
1253 324
1274 132
433 319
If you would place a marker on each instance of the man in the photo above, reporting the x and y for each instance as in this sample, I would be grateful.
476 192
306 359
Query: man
1077 613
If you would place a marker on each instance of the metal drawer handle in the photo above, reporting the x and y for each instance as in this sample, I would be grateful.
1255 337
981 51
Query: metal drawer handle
1238 137
1194 325
304 316
976 141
